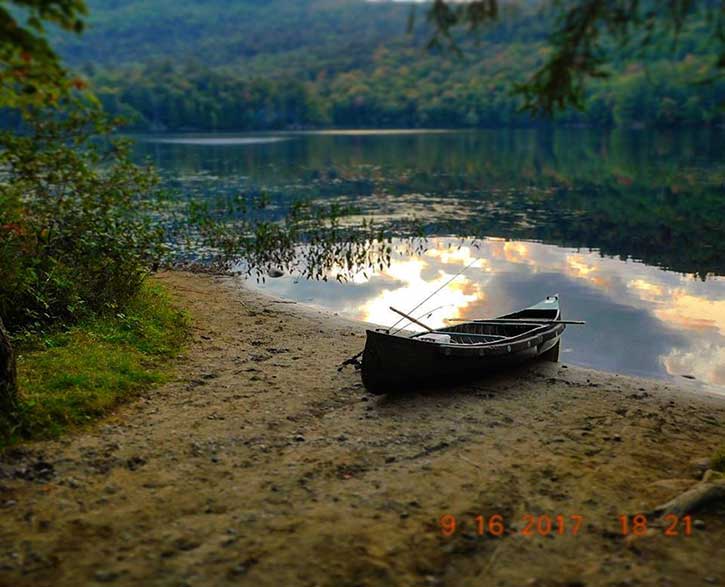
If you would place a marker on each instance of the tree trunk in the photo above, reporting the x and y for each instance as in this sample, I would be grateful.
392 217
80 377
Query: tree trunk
8 380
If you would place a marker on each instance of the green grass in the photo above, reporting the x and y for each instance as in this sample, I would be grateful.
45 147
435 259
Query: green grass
70 378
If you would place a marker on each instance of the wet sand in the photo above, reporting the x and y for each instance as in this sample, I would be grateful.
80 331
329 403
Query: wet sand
261 464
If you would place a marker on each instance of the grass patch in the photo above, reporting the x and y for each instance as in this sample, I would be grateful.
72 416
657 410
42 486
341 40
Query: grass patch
69 378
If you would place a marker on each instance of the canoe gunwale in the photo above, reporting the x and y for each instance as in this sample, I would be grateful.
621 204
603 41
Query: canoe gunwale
511 345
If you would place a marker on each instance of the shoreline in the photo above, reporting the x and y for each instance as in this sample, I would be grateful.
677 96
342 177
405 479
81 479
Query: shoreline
260 464
680 382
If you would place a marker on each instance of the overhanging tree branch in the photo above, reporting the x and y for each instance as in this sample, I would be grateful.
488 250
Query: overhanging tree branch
581 42
30 71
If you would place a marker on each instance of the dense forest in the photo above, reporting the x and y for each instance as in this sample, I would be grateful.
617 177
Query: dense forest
213 65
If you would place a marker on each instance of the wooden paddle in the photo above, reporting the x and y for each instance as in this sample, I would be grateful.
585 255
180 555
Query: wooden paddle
413 320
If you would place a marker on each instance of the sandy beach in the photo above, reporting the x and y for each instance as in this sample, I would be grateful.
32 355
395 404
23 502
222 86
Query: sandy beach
261 464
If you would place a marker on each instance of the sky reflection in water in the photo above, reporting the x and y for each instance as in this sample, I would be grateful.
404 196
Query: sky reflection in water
641 320
651 205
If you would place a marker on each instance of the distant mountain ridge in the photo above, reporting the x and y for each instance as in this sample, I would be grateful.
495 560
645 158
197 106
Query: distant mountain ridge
246 65
220 32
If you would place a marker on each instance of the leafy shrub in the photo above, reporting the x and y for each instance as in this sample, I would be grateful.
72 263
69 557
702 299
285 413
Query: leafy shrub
76 231
308 239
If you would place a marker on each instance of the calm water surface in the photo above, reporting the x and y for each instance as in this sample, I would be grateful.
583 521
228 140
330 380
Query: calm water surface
629 228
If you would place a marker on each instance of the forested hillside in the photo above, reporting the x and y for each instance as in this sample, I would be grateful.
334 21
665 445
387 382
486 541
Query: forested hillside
216 65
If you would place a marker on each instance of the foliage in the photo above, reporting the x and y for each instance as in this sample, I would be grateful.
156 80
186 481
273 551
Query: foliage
74 236
584 37
662 94
313 241
220 32
347 64
30 72
69 377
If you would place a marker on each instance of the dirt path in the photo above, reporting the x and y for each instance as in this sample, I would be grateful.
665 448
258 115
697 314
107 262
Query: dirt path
262 465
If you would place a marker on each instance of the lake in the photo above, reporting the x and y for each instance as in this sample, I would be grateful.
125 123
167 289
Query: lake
628 227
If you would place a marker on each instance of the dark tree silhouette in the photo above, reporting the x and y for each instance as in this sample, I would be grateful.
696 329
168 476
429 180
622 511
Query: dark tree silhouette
8 383
30 73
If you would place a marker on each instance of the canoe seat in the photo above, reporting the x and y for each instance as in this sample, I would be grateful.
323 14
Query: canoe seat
466 338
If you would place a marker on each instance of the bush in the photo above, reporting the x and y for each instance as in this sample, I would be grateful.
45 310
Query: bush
76 231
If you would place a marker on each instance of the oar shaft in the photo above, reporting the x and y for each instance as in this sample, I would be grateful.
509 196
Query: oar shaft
413 320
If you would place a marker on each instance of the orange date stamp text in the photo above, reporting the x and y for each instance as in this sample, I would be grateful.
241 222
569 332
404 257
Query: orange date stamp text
497 525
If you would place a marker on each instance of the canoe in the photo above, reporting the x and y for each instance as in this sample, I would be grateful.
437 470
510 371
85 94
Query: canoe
394 362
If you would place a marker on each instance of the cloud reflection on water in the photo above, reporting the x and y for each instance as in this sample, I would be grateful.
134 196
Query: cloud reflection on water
641 319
